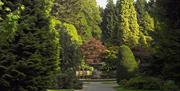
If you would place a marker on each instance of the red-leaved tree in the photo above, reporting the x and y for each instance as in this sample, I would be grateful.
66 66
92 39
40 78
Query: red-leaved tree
93 51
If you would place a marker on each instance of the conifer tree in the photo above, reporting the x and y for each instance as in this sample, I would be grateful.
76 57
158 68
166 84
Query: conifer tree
128 28
146 23
167 40
108 23
70 51
91 20
83 14
33 57
9 17
68 11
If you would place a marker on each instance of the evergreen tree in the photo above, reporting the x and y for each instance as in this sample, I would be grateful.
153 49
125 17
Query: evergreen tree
68 11
70 51
108 23
167 40
128 28
146 23
9 17
33 53
83 14
91 19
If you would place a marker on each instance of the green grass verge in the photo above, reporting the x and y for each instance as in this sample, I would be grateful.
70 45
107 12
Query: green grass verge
61 90
123 89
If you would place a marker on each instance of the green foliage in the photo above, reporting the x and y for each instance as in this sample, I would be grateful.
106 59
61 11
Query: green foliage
83 14
31 58
9 18
68 81
73 33
147 83
70 52
166 58
169 86
126 63
110 61
128 28
92 18
68 11
108 24
146 23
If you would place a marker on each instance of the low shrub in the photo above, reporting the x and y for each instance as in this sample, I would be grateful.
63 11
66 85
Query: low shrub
68 81
147 83
78 84
170 86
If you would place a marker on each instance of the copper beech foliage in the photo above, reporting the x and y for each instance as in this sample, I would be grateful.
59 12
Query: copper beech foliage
93 51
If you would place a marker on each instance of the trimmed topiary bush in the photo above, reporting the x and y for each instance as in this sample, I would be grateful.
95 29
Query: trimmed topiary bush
126 63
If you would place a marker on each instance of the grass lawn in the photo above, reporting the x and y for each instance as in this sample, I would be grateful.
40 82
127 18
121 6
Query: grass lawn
61 90
123 89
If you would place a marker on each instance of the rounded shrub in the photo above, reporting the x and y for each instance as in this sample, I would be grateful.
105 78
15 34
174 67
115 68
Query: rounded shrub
126 63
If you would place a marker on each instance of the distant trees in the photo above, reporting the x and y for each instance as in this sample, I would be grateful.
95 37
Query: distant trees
83 14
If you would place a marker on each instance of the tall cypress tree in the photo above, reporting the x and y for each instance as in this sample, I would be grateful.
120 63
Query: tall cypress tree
128 28
108 23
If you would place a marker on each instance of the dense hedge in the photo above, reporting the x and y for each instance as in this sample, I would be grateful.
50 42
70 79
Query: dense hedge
149 83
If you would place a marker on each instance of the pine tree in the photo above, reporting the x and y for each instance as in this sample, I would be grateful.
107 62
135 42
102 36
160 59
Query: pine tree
108 23
128 28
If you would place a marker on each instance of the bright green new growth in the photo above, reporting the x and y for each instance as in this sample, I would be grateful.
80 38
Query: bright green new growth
128 28
71 30
146 23
127 64
128 59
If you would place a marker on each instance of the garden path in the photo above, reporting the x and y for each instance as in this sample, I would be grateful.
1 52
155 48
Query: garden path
98 86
